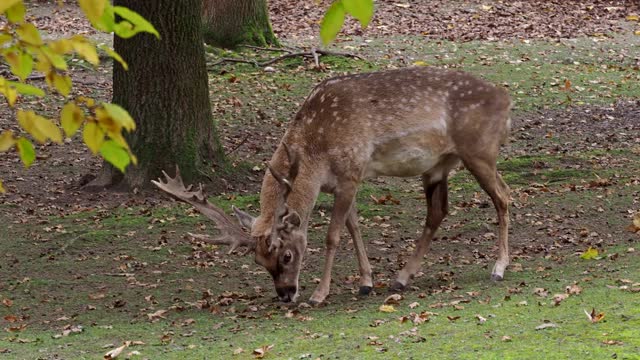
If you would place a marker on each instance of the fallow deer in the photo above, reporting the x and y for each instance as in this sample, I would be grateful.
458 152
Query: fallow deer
407 122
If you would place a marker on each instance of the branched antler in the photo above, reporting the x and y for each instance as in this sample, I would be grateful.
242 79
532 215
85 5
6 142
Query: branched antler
230 233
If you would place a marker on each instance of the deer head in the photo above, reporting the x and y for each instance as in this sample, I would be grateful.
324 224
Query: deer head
280 252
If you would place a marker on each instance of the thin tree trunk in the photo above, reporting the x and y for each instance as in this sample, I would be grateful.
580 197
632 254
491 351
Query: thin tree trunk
229 23
166 92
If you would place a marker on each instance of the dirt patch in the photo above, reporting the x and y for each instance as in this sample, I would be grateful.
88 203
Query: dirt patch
463 20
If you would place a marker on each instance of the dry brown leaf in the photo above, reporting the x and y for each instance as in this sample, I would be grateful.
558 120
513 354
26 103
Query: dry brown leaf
116 352
157 315
594 316
393 299
7 302
573 289
260 352
558 298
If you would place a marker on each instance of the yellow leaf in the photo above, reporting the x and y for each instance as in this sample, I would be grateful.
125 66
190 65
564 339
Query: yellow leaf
5 38
15 14
28 33
93 9
637 32
93 136
387 308
589 254
71 118
633 17
85 49
62 46
40 128
636 220
486 7
12 95
52 58
62 83
420 63
6 4
6 141
2 190
120 115
86 100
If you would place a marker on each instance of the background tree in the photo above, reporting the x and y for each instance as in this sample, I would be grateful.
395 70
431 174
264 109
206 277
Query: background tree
229 23
166 91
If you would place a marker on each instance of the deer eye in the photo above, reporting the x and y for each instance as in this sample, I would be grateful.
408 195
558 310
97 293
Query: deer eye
287 257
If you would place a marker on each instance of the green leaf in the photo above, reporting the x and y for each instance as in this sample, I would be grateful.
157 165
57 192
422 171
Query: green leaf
140 24
15 14
120 115
359 9
21 63
115 155
71 118
332 22
115 56
26 151
93 136
26 89
6 4
107 21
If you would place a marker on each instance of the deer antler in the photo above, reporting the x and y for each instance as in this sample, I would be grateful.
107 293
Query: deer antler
286 184
231 233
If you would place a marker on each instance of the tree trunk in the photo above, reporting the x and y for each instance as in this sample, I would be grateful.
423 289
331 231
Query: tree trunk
166 91
229 23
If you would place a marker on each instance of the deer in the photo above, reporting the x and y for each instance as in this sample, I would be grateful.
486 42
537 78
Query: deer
409 122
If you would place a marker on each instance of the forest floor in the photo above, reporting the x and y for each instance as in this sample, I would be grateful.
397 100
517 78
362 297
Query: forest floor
84 273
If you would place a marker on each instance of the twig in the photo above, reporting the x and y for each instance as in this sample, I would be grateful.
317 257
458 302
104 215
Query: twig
266 48
315 53
238 145
279 58
223 60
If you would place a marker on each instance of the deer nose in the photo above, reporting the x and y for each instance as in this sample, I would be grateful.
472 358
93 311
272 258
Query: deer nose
287 293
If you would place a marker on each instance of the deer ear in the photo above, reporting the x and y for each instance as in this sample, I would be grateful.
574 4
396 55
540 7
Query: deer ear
245 219
291 221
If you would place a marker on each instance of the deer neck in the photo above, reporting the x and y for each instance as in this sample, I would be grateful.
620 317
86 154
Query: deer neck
301 199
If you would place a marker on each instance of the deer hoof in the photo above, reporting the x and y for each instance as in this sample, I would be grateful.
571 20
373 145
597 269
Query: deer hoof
396 287
496 277
364 290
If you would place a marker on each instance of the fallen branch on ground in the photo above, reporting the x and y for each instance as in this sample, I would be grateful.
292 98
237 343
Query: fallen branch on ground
313 53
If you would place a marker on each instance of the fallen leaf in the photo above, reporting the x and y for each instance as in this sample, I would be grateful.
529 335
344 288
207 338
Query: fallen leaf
573 289
453 318
260 352
157 315
546 326
542 292
558 298
238 351
612 342
116 352
7 302
387 308
414 305
594 317
506 338
393 299
589 254
481 319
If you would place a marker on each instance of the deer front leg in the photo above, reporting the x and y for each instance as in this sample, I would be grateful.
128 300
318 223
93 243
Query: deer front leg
341 209
437 208
366 281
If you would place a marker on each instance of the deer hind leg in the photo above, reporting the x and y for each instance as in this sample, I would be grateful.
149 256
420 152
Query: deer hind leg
491 182
366 280
343 201
437 209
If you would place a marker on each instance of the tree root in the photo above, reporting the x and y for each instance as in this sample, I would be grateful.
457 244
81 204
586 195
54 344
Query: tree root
313 53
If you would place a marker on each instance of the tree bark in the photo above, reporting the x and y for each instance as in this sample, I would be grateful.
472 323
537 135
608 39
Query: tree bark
229 23
166 91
